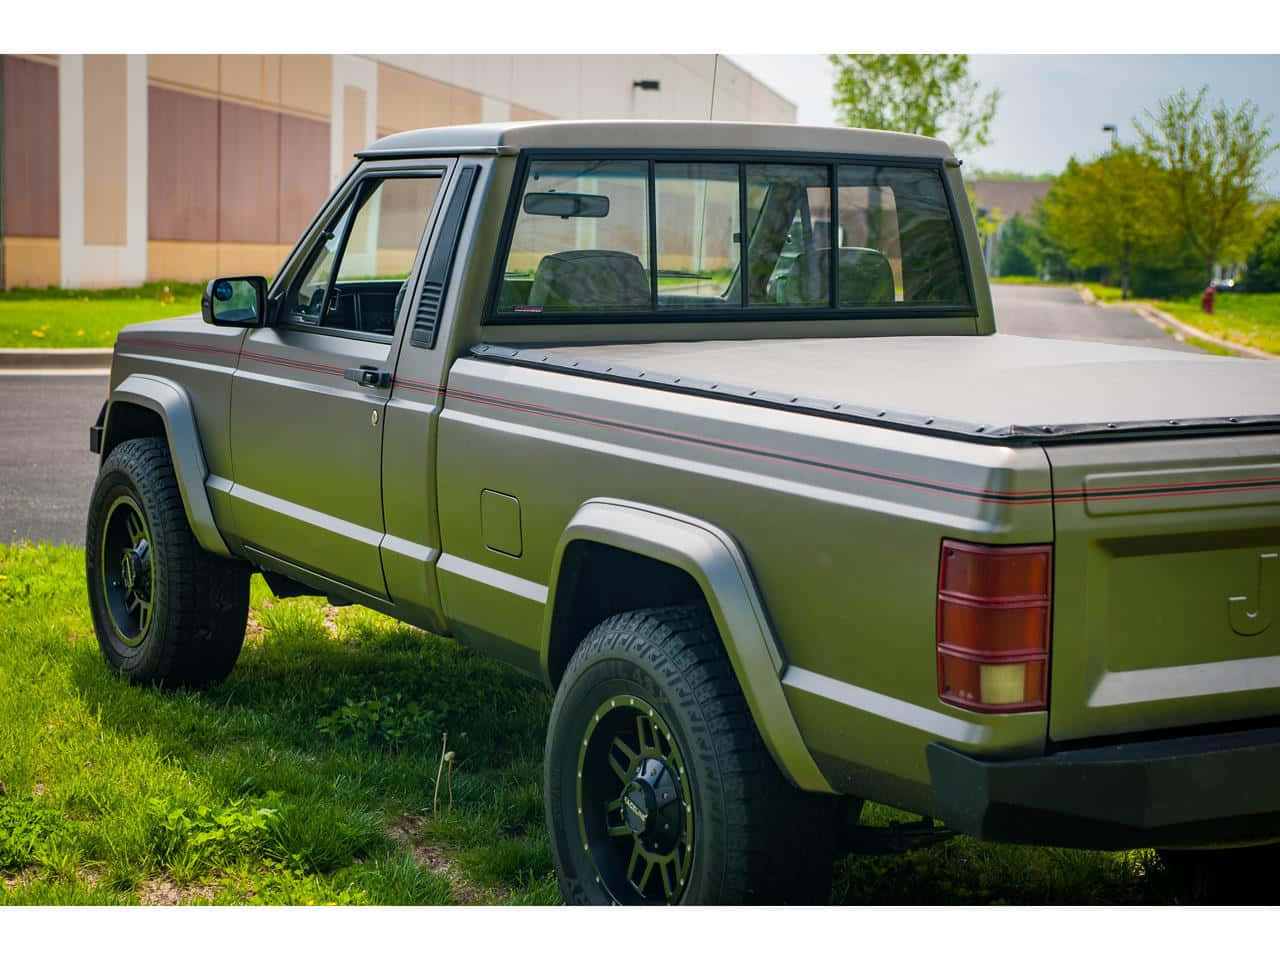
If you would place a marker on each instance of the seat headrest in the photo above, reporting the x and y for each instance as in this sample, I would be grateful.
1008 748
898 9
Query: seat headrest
864 275
590 280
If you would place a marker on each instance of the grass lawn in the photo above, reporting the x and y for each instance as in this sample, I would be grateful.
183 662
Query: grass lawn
309 776
1249 319
87 318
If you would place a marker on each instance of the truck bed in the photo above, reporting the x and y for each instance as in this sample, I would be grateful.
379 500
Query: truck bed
997 388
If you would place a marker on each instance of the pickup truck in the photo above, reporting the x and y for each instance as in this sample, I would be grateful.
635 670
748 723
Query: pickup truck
709 427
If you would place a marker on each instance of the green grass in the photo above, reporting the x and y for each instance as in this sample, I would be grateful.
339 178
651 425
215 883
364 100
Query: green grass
87 318
307 778
1249 319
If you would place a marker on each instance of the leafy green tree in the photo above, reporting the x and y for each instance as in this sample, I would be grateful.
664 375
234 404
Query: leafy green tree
1110 212
922 93
1215 159
1054 258
1262 268
1018 253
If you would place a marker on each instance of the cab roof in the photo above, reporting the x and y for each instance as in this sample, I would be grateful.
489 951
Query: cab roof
511 137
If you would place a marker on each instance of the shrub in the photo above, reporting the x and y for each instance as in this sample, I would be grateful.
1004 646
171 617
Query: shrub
1262 268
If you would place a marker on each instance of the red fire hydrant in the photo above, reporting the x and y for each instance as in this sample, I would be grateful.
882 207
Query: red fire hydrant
1206 299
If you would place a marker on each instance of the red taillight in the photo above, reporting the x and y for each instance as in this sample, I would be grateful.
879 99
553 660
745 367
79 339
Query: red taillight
993 626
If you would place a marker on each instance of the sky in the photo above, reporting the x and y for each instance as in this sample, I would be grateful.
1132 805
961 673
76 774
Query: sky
1053 107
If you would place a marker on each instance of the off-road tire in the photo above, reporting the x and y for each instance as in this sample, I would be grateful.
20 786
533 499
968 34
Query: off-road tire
200 602
756 838
1238 875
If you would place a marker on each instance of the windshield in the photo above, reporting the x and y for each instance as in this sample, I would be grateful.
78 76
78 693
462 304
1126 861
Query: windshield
601 237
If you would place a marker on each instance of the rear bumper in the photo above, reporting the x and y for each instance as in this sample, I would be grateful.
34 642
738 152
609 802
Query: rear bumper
1191 791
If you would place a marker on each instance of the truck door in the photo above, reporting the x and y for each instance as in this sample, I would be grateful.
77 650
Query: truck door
310 392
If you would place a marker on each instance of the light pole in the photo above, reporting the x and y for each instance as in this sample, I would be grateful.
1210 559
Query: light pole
1114 131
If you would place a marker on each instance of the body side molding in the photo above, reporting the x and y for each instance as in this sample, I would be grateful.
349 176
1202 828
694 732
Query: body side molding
172 404
716 563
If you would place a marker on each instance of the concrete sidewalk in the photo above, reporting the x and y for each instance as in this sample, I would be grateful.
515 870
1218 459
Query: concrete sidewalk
97 359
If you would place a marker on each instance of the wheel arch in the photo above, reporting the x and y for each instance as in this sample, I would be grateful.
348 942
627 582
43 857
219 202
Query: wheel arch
148 406
681 559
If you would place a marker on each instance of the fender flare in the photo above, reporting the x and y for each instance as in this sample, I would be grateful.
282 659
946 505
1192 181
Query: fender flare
717 564
173 405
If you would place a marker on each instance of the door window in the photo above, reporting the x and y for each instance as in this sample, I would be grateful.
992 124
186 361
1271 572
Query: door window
359 275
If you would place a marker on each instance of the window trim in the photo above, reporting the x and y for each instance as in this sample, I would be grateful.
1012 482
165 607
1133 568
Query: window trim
354 190
726 314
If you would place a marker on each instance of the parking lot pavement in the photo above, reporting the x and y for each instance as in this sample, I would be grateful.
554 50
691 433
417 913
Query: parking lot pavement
46 469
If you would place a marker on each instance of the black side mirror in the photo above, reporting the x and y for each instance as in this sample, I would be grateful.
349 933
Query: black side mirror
235 302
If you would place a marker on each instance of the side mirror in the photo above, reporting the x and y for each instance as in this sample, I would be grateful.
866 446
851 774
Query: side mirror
235 302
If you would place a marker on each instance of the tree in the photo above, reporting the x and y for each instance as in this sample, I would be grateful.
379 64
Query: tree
920 93
1262 267
1215 160
1110 212
1018 253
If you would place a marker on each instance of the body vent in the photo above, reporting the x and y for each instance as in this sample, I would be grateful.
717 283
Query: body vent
435 282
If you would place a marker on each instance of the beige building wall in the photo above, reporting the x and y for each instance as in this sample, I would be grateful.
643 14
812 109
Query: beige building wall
115 221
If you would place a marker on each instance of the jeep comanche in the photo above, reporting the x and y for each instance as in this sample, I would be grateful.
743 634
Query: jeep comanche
709 427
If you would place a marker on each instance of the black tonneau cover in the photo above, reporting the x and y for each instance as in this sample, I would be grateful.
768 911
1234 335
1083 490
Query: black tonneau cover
997 388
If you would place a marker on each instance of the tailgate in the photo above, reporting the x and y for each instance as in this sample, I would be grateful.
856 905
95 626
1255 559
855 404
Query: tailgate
1166 584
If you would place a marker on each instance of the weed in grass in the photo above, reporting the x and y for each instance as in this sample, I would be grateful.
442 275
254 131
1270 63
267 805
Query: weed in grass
392 720
193 838
28 833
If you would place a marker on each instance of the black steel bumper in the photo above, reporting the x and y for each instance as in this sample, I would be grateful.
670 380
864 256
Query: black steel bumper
1191 791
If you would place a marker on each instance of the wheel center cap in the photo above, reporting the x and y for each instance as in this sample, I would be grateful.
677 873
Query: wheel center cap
637 803
129 569
651 805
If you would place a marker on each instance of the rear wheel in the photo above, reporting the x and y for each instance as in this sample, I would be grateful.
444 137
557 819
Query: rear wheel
659 789
165 610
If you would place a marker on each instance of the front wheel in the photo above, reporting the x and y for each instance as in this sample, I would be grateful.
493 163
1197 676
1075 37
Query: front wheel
659 789
165 610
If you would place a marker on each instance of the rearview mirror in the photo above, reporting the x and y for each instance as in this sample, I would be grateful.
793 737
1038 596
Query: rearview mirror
566 205
235 301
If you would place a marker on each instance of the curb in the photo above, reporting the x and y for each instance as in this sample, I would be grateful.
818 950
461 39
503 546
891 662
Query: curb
94 358
1162 319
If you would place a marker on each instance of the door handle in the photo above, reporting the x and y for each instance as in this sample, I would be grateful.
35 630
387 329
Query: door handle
368 376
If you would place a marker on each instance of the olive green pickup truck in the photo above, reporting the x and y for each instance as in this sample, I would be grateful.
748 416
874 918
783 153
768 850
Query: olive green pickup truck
709 427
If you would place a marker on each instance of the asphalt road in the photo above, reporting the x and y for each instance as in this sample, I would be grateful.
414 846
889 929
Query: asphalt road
1059 313
46 470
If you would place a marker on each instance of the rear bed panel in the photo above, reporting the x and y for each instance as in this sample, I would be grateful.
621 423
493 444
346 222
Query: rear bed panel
840 523
1167 584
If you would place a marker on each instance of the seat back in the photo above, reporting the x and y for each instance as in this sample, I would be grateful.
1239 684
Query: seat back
590 280
864 278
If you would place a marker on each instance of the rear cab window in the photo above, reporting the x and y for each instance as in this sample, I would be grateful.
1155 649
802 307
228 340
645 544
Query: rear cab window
627 238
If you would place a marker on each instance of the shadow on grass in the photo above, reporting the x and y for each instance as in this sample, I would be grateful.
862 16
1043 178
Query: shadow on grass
334 788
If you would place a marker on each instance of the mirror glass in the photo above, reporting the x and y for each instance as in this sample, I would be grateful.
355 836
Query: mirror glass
566 205
234 301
